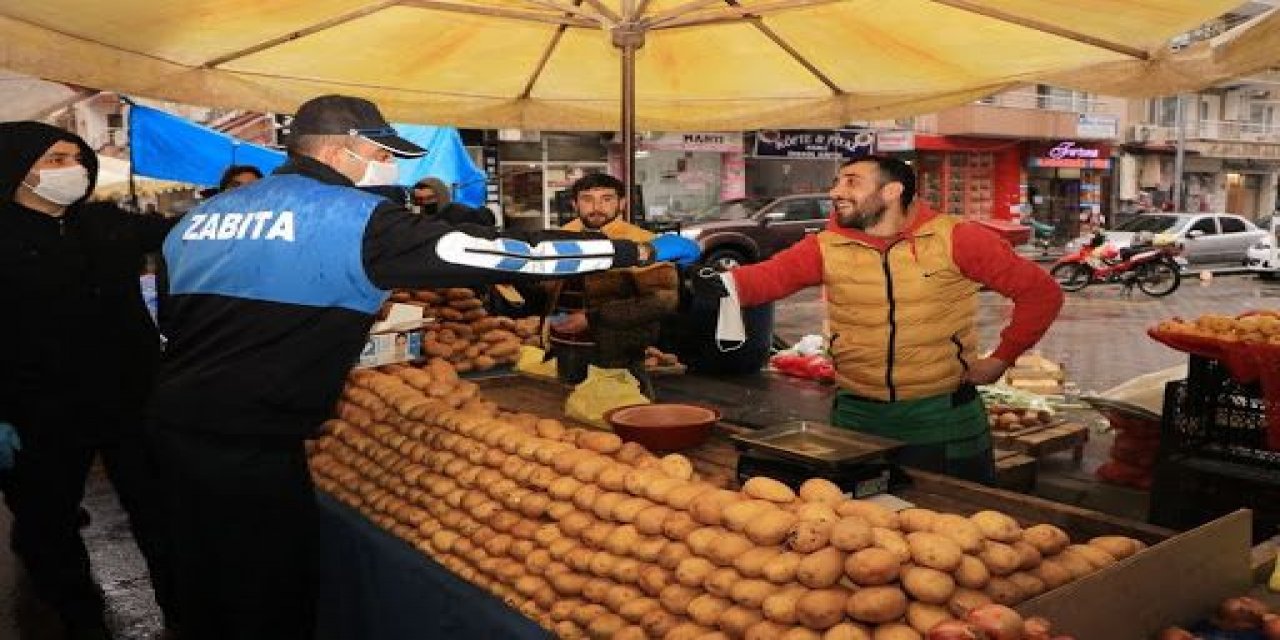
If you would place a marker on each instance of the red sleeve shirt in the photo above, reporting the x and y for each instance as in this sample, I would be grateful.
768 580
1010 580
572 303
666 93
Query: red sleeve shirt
981 256
986 258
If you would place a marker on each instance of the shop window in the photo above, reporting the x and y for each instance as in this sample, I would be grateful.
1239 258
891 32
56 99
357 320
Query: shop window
1231 225
1206 225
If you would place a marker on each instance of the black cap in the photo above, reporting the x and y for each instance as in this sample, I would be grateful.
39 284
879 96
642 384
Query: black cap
335 115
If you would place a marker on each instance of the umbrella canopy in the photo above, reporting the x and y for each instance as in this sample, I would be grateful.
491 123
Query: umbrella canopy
554 64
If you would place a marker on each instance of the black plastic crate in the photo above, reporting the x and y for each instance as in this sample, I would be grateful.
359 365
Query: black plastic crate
1190 490
1213 416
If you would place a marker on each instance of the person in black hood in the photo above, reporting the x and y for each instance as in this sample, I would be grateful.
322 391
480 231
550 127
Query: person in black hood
78 351
431 197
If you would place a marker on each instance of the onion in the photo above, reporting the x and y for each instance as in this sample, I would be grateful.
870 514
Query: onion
1271 626
1036 628
997 621
1238 614
1176 633
955 630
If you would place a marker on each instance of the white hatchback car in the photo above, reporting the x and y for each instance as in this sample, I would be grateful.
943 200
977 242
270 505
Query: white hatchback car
1263 256
1205 238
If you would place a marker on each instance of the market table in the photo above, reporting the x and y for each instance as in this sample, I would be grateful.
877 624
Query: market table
374 586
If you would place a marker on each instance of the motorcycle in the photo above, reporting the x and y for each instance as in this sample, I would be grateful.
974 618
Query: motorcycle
1155 270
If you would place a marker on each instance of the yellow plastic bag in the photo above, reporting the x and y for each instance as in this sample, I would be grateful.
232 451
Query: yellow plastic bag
603 390
530 362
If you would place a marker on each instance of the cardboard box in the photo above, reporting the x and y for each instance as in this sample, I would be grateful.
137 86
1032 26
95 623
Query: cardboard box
396 339
1176 582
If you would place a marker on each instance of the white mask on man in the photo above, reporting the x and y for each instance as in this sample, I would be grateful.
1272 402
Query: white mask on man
62 186
376 172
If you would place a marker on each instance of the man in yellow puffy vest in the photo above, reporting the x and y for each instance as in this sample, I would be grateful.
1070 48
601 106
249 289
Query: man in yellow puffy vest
902 298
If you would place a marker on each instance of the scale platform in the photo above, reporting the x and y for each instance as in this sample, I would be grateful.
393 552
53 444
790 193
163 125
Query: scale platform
793 452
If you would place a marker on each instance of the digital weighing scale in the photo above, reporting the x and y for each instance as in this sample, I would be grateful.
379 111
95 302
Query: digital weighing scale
793 452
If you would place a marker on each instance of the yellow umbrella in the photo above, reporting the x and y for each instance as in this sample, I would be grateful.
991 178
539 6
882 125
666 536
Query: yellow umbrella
553 64
668 65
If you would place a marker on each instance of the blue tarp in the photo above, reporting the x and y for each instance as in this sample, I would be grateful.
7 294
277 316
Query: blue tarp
162 145
168 147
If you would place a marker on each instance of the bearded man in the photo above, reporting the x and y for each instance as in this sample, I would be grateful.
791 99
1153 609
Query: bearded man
902 286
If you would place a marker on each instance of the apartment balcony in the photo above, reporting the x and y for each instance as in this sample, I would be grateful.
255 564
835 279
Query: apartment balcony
1024 115
1214 138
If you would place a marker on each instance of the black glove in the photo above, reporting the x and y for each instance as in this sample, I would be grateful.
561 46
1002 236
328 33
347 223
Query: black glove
705 282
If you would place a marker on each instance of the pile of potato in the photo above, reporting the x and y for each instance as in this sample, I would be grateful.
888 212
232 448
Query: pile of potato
1255 327
593 537
464 333
1004 418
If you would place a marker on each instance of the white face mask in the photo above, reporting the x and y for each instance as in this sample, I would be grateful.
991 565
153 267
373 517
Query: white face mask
62 186
376 173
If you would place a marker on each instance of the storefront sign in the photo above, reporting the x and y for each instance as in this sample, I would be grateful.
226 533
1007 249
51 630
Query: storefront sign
827 145
891 141
717 142
1069 154
1096 126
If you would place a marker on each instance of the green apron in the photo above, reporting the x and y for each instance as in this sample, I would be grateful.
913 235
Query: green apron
947 433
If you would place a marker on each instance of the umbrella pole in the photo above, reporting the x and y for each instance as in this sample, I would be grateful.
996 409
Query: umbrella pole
629 125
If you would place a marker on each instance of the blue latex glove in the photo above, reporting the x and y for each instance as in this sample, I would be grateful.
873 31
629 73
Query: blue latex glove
671 247
9 445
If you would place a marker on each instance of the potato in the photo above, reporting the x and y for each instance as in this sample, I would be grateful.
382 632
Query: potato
876 515
771 528
568 583
821 569
649 521
821 608
678 525
629 509
928 585
752 593
653 579
893 541
1052 573
935 550
681 497
736 516
736 620
1030 585
780 606
701 539
692 572
1030 555
613 478
687 631
877 605
626 570
721 581
631 632
965 600
997 526
1091 554
922 616
636 609
768 489
1004 591
1076 565
751 564
821 490
847 631
1000 559
706 609
672 554
621 594
676 466
972 573
649 548
851 533
659 622
709 507
1046 538
916 519
675 598
782 568
807 536
816 511
960 530
895 631
765 630
872 566
1118 547
727 547
801 633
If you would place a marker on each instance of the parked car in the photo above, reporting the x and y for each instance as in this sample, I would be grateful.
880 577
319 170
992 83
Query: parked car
738 234
1205 238
1263 257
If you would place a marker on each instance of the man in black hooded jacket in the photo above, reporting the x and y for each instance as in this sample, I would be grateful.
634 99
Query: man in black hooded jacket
78 352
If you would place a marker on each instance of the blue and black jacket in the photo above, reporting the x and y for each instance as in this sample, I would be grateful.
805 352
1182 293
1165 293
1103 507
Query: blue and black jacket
273 287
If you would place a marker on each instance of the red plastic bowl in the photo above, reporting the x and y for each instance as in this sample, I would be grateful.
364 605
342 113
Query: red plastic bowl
663 427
